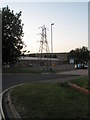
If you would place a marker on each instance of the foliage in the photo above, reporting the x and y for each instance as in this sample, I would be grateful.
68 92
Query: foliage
80 55
12 33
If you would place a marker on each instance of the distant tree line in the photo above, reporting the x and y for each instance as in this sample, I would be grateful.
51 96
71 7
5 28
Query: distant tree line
80 55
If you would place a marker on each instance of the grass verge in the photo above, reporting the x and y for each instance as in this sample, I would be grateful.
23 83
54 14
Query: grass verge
82 82
49 100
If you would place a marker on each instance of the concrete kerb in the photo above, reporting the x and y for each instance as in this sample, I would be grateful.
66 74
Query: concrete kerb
12 108
1 110
74 86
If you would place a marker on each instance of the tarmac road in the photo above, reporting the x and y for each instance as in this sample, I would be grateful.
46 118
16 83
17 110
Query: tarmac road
9 80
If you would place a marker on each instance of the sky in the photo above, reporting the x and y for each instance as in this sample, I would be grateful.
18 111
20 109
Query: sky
70 29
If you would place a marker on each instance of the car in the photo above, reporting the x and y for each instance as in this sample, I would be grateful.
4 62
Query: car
78 66
85 66
81 66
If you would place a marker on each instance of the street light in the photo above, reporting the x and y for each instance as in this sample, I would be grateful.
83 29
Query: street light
51 39
51 43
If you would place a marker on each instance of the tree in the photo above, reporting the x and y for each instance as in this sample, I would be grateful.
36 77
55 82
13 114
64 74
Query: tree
12 33
80 55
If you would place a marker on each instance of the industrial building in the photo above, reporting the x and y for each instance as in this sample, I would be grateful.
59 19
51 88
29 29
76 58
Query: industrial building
45 59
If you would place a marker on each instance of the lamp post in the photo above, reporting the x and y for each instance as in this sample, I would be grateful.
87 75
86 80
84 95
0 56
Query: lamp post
51 44
51 39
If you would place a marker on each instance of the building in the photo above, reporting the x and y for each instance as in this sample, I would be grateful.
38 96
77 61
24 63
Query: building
45 59
36 61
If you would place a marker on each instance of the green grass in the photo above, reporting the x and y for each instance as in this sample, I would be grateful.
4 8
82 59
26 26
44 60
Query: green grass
82 82
49 100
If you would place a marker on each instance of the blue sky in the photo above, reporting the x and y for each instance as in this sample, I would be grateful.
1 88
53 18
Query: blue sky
70 19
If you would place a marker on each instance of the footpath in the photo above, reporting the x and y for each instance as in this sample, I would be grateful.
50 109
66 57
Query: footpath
82 72
78 73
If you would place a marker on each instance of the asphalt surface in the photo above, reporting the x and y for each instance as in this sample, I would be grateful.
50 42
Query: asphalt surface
9 80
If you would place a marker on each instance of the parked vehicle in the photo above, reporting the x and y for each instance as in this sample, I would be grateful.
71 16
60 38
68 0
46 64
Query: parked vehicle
85 66
81 66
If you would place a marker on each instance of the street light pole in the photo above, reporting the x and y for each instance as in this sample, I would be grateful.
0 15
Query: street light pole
51 39
51 44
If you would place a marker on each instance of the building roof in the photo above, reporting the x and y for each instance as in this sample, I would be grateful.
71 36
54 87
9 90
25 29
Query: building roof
36 58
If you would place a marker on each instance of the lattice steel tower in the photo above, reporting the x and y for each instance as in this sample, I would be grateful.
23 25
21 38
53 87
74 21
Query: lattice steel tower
43 42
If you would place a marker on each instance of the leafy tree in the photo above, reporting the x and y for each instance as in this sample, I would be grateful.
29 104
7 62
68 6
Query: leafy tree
80 55
12 33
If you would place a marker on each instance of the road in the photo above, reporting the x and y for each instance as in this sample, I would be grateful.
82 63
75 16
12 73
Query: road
11 80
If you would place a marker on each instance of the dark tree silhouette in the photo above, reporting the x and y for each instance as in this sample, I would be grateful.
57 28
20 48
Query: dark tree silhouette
80 55
12 33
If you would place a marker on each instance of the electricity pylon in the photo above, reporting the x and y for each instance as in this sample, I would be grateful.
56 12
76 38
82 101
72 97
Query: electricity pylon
44 48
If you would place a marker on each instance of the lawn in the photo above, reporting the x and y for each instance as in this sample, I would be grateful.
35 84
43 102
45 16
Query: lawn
82 82
49 100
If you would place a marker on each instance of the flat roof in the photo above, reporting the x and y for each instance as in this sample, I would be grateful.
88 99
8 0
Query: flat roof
36 58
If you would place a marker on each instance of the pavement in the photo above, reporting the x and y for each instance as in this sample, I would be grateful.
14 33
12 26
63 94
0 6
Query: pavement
77 73
81 72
